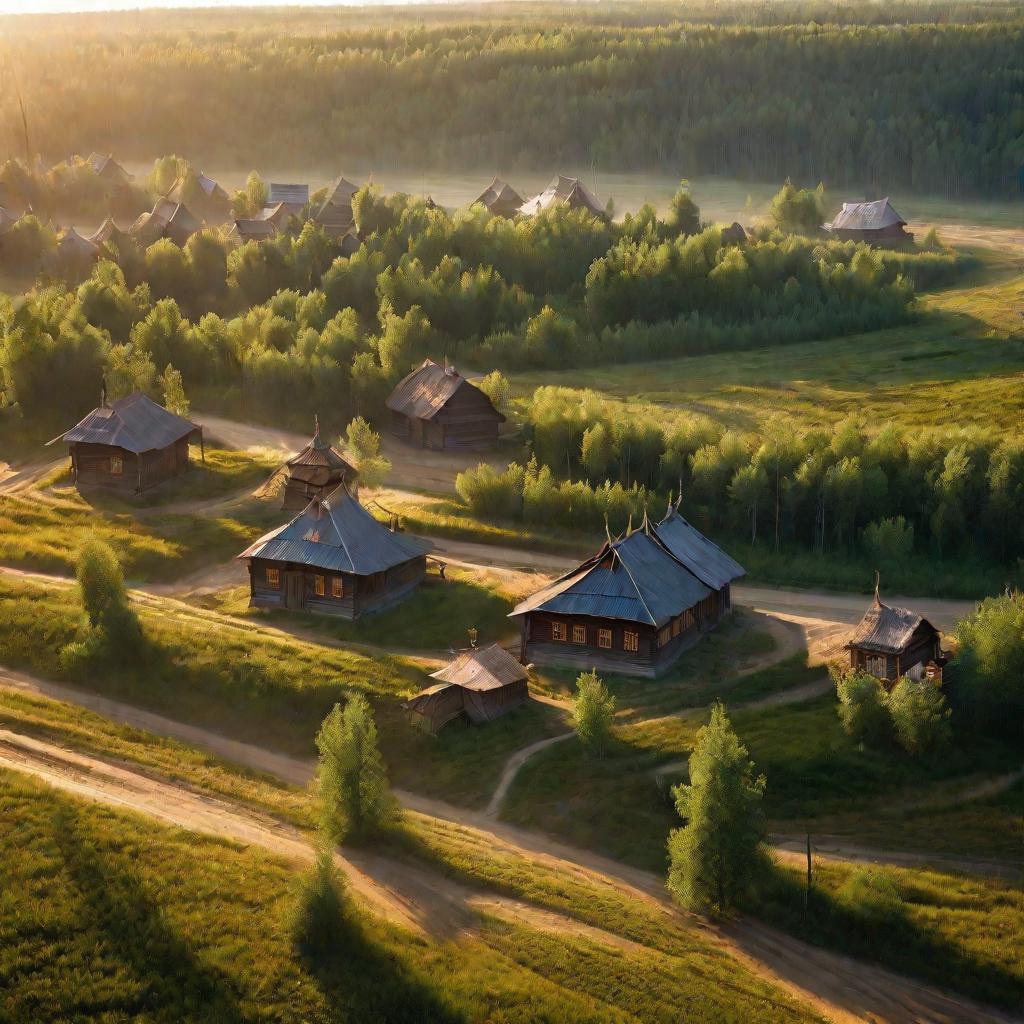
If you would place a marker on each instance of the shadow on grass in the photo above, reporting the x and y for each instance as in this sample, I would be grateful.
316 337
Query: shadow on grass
174 982
892 939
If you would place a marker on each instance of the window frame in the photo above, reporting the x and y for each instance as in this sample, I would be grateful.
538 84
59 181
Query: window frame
337 586
319 585
631 641
117 465
579 633
604 639
273 577
559 631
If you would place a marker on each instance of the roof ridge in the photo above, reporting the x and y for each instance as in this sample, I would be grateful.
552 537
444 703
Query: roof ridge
632 580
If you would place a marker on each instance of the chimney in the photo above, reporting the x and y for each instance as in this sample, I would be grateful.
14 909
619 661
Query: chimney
319 508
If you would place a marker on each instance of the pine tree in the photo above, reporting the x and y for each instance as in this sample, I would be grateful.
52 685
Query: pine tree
364 444
355 801
716 854
173 390
593 711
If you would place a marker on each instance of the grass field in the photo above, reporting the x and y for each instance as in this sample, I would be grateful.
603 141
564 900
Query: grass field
267 688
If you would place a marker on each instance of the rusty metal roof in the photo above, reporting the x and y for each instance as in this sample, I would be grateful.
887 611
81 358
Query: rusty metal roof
886 629
337 533
484 668
632 579
705 559
866 217
319 453
135 423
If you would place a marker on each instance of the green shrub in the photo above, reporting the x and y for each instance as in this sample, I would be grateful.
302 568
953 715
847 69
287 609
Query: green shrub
889 541
593 711
920 717
872 895
862 706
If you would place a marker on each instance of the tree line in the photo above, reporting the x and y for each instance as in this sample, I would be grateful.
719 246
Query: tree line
884 491
869 107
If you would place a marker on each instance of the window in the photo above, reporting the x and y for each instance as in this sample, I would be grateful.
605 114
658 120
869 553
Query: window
337 587
579 634
631 641
273 577
604 638
559 631
318 586
116 465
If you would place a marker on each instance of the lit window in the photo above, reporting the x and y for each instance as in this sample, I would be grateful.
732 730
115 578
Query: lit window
273 577
116 465
559 631
337 587
579 634
318 586
604 638
631 641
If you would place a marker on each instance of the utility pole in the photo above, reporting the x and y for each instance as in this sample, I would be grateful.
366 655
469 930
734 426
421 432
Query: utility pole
807 891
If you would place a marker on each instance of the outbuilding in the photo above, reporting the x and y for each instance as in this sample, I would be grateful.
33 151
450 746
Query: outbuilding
877 223
334 558
315 472
500 198
131 445
436 407
479 685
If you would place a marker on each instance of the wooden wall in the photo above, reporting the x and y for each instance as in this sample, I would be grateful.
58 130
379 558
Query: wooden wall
92 465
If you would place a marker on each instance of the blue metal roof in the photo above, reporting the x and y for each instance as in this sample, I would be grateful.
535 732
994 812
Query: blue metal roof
633 579
338 533
705 559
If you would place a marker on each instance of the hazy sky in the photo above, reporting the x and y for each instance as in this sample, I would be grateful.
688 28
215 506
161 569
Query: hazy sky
60 6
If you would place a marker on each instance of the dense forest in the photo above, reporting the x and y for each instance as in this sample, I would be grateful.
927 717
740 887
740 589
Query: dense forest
868 97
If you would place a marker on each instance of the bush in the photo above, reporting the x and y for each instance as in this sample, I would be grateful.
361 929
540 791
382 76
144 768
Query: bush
920 717
862 706
593 711
889 541
871 895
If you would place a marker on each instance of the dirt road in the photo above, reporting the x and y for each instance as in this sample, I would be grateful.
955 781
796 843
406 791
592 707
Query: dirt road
413 468
845 990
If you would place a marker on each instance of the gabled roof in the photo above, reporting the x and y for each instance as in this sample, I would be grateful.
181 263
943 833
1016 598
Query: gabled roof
564 191
499 193
866 217
209 187
632 578
248 229
182 224
340 192
485 668
107 165
292 194
886 629
73 245
106 231
319 453
338 534
423 393
335 220
135 423
705 559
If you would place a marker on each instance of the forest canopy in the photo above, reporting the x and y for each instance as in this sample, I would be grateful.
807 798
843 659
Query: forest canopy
926 97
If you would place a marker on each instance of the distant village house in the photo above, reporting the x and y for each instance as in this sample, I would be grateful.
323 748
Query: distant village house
563 191
877 223
334 558
107 168
501 199
436 407
130 445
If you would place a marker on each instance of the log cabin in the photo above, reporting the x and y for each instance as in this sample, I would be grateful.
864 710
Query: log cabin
334 558
479 685
876 223
335 214
131 445
890 642
500 198
315 472
436 407
634 607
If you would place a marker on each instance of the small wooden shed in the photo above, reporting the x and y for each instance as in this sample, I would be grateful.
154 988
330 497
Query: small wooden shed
480 684
132 445
334 558
436 407
877 223
315 472
891 642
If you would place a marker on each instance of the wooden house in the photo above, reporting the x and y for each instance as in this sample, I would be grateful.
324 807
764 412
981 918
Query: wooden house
563 191
633 607
107 168
315 472
436 407
891 642
131 445
293 197
334 558
479 685
248 229
501 199
108 231
210 189
167 219
877 223
335 214
74 248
